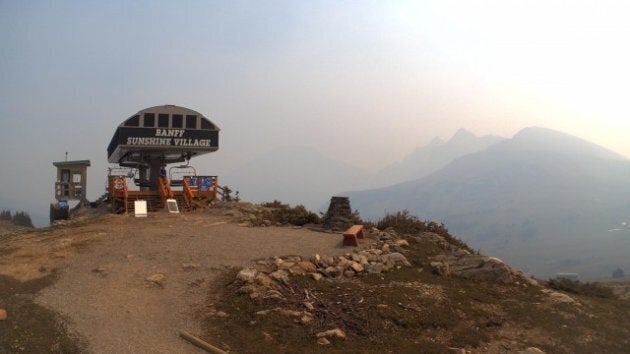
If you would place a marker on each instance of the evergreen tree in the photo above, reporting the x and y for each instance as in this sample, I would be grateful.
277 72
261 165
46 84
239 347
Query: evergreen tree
21 218
618 273
5 215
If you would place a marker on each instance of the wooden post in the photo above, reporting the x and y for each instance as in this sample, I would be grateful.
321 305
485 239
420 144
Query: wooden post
201 343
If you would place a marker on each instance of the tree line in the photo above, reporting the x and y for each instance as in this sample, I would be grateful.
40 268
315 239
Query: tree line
18 218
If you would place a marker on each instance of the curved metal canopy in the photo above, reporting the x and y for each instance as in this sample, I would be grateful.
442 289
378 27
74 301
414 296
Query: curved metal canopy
167 134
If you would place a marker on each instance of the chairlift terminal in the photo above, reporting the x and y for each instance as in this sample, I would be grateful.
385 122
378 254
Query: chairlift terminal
142 147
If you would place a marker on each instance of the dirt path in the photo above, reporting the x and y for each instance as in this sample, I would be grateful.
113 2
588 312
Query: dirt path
103 266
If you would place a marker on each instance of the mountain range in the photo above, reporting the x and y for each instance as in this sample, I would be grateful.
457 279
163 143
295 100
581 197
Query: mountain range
543 200
302 175
295 175
430 158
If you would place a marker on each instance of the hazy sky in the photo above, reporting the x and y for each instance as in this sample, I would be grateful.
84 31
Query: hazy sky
362 81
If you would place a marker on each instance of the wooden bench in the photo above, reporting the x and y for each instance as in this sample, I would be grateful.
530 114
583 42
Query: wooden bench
350 236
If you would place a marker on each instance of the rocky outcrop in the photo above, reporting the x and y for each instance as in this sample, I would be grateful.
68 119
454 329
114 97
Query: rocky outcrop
471 266
466 265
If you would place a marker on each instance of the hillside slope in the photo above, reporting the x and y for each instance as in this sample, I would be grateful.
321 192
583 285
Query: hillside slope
116 283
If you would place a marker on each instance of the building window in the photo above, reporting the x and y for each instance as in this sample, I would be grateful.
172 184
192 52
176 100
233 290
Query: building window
191 122
178 121
76 177
162 120
149 120
205 124
65 176
133 121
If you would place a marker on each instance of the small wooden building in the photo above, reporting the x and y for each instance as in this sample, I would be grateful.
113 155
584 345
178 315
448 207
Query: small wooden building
71 183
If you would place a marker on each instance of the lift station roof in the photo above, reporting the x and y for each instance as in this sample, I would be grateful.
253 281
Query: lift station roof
166 133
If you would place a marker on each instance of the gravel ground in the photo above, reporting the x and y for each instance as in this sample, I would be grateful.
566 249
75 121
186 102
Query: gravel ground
102 289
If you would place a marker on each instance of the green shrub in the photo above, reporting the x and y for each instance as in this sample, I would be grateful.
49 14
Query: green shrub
285 214
5 215
405 223
21 218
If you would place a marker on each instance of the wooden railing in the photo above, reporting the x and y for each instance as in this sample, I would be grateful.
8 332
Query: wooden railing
165 190
117 187
199 189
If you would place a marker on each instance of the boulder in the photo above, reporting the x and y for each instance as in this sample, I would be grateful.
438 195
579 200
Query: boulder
526 279
264 280
247 275
337 332
308 267
482 268
462 253
559 297
286 265
323 341
157 279
296 270
327 261
343 262
316 276
280 275
440 268
363 260
358 268
402 243
374 268
332 272
397 259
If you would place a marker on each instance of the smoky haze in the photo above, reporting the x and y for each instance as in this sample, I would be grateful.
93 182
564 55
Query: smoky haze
362 83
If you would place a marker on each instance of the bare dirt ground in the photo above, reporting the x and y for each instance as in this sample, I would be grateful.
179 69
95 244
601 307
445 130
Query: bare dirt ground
102 268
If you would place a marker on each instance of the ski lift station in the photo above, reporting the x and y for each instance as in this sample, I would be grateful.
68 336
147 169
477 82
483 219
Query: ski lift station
143 147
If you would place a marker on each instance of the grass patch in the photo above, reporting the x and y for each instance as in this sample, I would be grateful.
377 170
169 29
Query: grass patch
406 223
411 310
5 251
278 212
30 327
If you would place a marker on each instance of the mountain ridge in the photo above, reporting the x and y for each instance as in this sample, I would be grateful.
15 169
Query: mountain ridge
518 192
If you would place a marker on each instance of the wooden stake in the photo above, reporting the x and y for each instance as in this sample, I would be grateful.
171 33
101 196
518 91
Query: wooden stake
201 343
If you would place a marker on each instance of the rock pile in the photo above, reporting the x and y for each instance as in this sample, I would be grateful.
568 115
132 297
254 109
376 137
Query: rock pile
269 279
264 280
339 214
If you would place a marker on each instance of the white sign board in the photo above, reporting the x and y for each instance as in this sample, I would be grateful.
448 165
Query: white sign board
140 208
171 204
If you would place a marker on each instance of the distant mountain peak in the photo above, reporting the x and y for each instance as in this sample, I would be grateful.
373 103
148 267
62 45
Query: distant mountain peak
462 134
539 138
437 141
535 131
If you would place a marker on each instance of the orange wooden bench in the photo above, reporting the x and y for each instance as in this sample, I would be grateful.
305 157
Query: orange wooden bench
350 236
